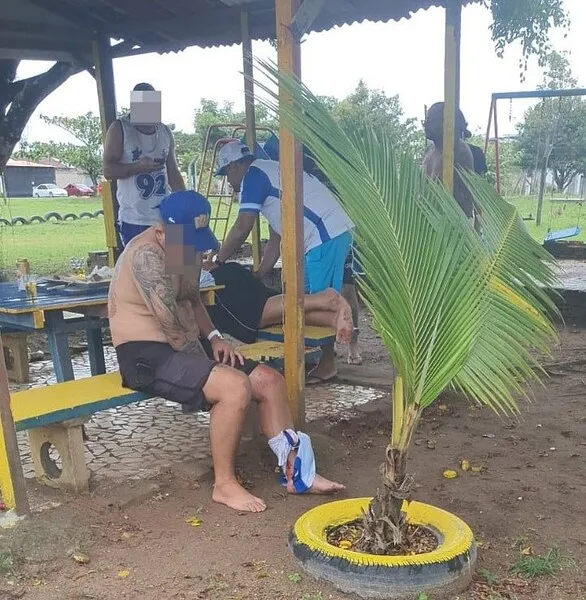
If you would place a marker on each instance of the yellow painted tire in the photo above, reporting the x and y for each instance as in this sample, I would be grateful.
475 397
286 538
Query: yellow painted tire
446 570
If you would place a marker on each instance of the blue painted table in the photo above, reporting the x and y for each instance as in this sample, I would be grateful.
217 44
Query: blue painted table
45 314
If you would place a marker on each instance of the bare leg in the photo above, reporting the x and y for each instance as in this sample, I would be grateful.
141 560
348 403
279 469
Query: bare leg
229 393
325 309
349 293
268 390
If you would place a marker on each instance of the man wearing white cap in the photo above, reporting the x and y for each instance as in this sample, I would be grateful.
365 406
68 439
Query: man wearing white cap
327 231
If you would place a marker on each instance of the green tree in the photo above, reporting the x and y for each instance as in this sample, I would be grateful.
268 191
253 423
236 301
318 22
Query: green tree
528 22
453 309
19 98
552 135
85 154
373 108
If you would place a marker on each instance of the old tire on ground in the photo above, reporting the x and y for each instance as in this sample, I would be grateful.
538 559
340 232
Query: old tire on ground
444 572
36 219
53 215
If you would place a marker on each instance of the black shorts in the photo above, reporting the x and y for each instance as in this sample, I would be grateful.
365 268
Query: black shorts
239 306
158 370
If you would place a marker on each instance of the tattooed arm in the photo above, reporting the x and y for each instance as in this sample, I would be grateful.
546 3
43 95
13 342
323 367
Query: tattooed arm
156 288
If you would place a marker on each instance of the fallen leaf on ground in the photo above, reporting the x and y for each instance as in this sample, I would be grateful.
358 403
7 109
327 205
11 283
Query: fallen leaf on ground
449 474
123 574
81 559
465 465
193 521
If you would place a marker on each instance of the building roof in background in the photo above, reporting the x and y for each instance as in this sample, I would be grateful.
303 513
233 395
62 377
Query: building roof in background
26 163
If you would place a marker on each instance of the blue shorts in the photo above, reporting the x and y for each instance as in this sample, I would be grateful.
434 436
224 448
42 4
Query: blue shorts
129 231
324 265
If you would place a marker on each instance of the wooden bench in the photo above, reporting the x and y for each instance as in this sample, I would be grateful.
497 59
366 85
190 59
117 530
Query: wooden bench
54 416
314 336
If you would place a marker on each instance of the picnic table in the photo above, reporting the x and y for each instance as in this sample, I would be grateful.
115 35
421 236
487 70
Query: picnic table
60 313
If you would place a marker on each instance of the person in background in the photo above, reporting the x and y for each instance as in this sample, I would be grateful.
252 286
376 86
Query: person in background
141 158
463 159
327 227
245 304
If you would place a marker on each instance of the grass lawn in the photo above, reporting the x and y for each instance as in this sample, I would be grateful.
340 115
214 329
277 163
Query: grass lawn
557 215
50 246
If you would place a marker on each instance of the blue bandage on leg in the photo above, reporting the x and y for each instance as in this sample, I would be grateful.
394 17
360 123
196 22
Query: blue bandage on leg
303 466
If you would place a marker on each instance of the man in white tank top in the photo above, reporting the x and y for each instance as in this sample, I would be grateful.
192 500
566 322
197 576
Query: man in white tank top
142 160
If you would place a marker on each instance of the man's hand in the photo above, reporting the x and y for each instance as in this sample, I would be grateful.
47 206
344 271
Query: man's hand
146 164
225 352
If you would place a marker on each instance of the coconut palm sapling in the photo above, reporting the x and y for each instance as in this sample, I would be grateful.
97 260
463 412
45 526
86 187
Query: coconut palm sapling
452 309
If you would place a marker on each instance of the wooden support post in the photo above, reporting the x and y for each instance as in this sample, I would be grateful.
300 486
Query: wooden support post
451 90
250 118
107 100
289 61
12 484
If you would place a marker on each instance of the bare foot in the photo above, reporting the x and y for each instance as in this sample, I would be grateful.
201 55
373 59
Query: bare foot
321 486
354 357
344 324
232 494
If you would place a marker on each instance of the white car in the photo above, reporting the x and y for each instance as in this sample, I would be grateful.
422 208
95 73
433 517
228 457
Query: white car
48 190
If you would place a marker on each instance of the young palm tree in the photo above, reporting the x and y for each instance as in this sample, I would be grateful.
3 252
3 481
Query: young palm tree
452 308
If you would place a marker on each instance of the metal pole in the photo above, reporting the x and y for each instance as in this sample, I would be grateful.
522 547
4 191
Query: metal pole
250 117
497 152
289 61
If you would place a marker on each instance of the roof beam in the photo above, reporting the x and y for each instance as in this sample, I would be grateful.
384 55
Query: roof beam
305 16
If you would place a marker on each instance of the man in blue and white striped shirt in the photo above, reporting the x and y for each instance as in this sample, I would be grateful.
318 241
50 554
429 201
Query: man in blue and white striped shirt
327 231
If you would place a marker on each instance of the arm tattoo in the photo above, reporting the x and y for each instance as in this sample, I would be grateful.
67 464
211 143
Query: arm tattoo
156 288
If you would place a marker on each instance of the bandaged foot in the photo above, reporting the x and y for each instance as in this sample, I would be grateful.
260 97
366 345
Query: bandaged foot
232 494
297 462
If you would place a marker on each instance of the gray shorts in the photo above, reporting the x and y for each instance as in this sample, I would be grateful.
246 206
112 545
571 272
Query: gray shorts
158 370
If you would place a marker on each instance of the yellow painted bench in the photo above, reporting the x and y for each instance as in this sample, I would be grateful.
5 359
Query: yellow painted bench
54 416
314 336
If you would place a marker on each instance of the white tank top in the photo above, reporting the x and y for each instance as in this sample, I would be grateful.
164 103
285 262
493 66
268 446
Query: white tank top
139 195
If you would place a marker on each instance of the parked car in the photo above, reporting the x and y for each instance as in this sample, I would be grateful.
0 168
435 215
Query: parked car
48 190
79 189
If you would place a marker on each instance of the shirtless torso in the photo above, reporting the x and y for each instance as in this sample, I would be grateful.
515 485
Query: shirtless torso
433 165
141 287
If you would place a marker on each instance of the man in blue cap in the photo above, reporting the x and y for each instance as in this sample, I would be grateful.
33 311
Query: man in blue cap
167 346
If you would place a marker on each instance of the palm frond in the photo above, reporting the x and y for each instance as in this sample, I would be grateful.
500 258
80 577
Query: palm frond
442 300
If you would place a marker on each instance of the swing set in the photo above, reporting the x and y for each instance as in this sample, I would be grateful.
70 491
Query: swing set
552 236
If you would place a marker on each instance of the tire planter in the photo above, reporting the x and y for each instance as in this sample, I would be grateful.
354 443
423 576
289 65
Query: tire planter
446 570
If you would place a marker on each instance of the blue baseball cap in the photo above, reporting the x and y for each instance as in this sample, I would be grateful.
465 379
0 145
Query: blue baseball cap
192 211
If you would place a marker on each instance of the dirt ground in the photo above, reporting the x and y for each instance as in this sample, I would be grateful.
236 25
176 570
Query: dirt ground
530 497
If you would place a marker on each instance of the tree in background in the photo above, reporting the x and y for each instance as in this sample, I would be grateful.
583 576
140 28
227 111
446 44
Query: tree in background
373 108
19 98
85 154
552 135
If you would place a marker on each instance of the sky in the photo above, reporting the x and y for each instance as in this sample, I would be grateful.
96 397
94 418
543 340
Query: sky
404 58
